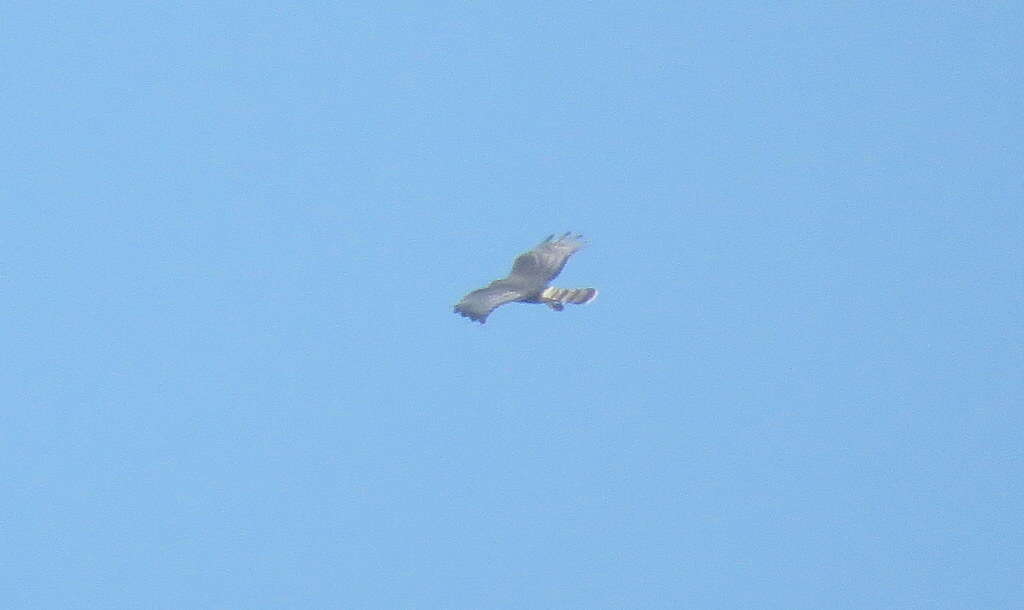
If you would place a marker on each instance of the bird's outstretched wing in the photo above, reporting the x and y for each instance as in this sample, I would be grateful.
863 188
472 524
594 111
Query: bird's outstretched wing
542 264
478 304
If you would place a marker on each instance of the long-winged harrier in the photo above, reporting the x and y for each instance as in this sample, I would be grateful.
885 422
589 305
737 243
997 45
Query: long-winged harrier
528 281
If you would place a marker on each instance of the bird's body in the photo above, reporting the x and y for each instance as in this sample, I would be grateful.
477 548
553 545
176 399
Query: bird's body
528 281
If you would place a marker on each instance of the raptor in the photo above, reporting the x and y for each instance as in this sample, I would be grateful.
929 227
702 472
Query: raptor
529 281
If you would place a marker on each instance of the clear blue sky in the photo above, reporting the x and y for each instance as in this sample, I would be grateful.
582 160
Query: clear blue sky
233 234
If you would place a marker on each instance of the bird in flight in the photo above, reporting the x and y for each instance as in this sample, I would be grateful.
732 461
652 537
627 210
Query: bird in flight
528 281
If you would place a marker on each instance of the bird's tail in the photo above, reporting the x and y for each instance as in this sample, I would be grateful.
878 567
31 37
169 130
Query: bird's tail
556 298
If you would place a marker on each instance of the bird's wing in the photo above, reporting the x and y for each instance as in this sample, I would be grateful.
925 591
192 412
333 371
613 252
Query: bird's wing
542 264
478 304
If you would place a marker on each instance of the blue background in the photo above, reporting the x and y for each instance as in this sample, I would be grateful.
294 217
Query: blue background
233 234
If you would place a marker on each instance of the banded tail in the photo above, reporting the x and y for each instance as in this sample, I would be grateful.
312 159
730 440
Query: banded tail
556 298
